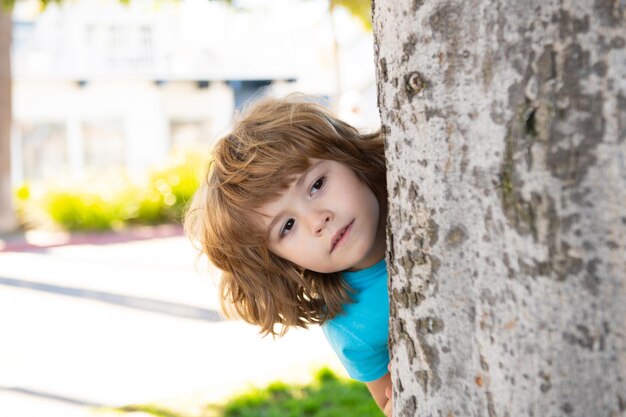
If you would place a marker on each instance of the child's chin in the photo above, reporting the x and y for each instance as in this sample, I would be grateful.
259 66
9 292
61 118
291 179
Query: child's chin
326 270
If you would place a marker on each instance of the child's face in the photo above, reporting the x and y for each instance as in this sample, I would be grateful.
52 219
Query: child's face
328 220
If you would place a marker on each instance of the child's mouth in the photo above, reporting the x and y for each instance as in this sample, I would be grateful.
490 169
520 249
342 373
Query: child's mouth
341 235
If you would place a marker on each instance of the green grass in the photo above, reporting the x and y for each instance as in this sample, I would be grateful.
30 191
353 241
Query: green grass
150 409
326 396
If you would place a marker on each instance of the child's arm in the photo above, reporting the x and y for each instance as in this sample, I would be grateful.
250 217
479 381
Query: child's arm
379 389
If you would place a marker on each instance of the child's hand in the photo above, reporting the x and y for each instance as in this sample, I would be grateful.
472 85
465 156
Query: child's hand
388 410
381 391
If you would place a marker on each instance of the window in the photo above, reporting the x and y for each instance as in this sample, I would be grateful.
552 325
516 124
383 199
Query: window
103 142
186 134
44 149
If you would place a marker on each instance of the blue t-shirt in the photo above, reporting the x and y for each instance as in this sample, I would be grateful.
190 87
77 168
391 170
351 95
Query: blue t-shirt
359 336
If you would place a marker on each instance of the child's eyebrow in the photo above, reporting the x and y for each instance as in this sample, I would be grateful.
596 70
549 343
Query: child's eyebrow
306 172
271 225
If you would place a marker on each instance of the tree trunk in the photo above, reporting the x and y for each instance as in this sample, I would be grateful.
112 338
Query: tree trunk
7 214
505 124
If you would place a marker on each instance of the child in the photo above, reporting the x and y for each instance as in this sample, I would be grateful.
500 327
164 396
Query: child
293 211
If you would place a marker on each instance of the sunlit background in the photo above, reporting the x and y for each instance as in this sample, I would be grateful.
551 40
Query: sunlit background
103 302
99 84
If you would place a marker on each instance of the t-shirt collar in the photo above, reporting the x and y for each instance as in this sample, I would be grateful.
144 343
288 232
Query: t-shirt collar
362 278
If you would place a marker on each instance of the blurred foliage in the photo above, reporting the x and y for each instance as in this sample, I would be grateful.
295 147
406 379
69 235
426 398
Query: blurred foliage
113 200
361 9
326 396
150 410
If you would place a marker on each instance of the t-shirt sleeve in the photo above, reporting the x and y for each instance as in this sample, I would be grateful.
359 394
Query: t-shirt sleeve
362 361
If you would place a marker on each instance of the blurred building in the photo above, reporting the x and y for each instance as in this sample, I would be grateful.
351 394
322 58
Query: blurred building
99 84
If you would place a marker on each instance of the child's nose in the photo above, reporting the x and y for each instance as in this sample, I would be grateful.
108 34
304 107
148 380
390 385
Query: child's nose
320 221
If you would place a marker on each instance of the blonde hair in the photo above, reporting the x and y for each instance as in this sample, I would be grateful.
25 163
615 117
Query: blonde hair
273 141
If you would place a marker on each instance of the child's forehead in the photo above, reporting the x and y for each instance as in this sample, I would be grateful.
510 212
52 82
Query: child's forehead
261 217
295 179
290 175
265 207
283 190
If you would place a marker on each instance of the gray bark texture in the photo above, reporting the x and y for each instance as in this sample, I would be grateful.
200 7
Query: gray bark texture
505 127
7 214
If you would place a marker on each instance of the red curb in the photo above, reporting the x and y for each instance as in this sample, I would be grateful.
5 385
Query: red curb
21 243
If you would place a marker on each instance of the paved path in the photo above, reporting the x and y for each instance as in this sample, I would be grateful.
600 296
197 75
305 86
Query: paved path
126 321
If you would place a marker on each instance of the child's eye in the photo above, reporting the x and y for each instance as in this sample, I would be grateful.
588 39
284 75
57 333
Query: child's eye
287 227
318 185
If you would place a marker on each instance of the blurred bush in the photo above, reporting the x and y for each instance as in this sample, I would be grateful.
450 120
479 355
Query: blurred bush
113 200
328 395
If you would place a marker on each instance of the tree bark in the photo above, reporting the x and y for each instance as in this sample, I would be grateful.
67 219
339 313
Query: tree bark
7 214
505 127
